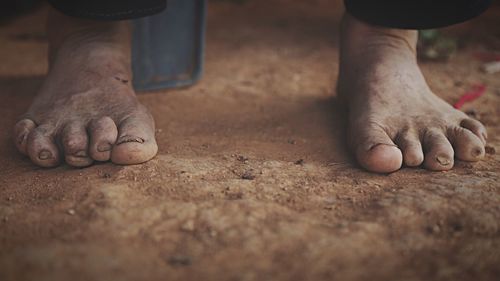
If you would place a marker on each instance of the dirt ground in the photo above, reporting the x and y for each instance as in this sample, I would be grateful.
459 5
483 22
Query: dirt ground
253 180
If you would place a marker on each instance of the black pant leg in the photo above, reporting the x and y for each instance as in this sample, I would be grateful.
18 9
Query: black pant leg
109 9
415 14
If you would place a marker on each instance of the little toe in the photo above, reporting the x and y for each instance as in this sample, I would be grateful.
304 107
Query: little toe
41 148
476 127
376 152
21 131
411 147
75 142
136 141
438 151
103 134
467 145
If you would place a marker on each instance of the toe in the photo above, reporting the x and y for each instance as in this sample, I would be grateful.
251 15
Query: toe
136 141
411 147
476 127
75 142
376 152
41 148
21 131
438 151
103 133
467 145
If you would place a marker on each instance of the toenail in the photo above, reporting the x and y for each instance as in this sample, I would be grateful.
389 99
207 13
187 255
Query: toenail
484 136
128 138
375 145
44 155
22 138
476 152
81 153
104 147
444 161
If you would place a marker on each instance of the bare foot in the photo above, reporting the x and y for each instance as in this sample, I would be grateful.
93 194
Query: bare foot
86 109
394 117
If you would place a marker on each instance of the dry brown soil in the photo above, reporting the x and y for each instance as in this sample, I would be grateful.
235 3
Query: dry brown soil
228 196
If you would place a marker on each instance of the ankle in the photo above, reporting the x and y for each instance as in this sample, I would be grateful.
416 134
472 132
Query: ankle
359 37
64 30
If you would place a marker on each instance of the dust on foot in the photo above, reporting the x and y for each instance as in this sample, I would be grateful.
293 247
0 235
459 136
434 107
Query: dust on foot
86 109
394 118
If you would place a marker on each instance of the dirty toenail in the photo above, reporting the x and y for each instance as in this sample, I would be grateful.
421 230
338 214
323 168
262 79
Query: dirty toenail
104 147
375 145
476 152
128 138
81 153
444 161
44 155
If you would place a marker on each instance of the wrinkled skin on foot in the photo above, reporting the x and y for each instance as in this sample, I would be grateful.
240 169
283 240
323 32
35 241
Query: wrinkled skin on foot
394 118
86 109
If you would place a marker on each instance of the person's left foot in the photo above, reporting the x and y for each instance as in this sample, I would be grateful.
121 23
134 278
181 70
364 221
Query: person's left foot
394 117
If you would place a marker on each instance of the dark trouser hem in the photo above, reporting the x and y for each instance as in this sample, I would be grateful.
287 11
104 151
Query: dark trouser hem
109 9
415 14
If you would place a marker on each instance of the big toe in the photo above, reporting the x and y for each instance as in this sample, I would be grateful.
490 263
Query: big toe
136 140
376 151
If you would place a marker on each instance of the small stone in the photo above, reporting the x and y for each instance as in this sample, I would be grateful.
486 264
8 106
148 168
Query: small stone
180 260
248 175
188 226
234 195
242 158
291 141
71 212
436 229
299 162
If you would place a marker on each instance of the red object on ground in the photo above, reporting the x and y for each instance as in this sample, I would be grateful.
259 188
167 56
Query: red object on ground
487 56
476 92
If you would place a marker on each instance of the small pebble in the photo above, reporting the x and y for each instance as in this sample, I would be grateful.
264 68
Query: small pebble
180 260
71 212
188 226
299 162
248 175
242 158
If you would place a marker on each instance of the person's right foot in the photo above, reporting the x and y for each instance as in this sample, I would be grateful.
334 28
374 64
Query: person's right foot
86 109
